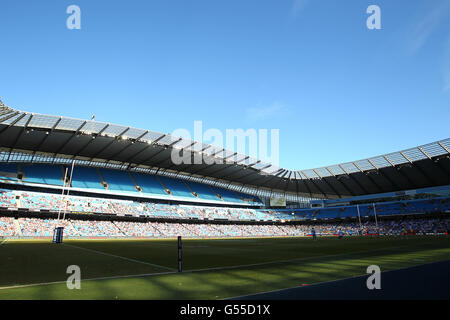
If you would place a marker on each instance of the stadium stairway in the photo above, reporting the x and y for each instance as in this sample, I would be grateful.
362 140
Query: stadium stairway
177 187
204 191
118 180
118 228
217 229
75 231
148 183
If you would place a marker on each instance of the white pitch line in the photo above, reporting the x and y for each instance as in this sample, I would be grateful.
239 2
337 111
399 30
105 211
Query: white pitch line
3 242
89 279
290 260
187 271
120 257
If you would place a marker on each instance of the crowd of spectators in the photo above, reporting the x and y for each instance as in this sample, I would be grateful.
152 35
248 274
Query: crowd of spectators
34 227
79 204
7 228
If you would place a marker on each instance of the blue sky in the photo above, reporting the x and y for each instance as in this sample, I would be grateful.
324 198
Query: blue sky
336 90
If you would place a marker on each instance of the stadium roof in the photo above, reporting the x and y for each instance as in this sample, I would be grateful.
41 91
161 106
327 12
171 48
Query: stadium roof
48 137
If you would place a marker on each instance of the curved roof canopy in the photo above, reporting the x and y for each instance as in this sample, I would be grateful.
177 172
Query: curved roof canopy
93 141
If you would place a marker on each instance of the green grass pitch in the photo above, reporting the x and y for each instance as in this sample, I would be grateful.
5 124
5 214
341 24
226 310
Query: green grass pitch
213 269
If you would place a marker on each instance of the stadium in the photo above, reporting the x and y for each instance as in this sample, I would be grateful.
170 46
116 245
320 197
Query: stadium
247 227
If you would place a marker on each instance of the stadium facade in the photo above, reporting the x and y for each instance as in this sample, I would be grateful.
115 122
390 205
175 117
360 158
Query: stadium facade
35 138
124 175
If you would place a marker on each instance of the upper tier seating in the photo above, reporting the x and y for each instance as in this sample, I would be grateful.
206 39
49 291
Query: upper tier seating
227 195
120 181
80 204
177 187
8 172
43 174
204 191
84 177
417 206
149 183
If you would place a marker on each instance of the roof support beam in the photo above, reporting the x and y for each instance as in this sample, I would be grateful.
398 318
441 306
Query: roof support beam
442 169
318 188
286 186
45 138
12 123
90 141
339 181
116 138
353 179
68 140
444 147
314 184
307 188
181 150
329 185
127 160
225 166
18 136
379 170
418 168
400 172
10 115
155 154
115 155
367 173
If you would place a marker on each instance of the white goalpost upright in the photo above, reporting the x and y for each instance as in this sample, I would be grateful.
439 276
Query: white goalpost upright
68 190
59 229
359 217
62 193
376 219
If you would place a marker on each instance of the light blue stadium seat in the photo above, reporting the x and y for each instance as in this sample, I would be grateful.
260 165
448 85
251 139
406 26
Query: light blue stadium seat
44 174
8 172
228 195
148 183
118 180
177 187
84 177
203 191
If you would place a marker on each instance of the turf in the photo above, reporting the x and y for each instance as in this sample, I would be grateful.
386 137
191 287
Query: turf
213 269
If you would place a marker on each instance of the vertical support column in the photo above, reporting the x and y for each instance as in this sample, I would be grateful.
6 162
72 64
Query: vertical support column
180 255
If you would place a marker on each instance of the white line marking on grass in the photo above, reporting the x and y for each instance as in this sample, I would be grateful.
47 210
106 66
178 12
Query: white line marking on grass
3 242
89 279
120 257
290 260
198 270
